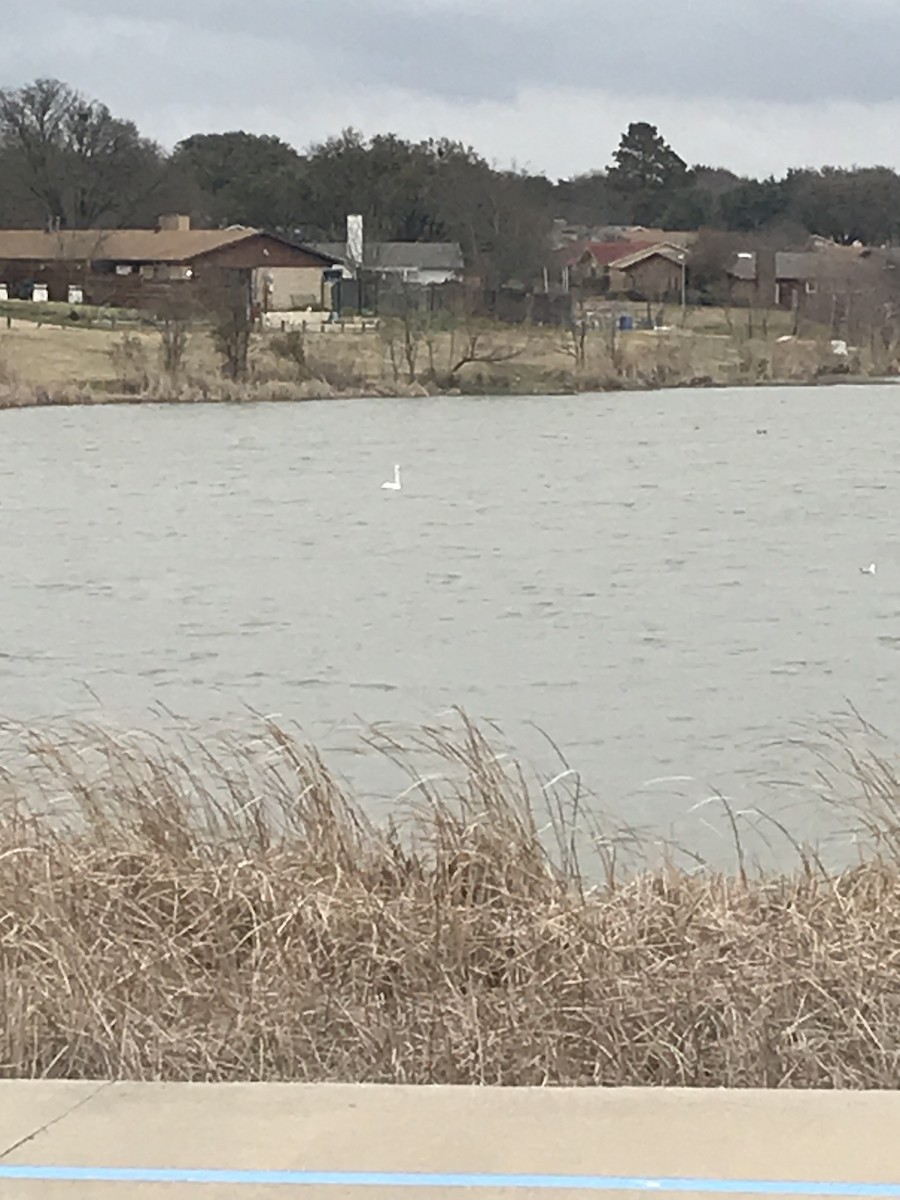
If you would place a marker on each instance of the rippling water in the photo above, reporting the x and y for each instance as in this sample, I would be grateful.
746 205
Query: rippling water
646 577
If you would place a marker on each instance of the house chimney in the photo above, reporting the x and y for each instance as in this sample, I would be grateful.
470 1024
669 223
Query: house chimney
174 221
355 240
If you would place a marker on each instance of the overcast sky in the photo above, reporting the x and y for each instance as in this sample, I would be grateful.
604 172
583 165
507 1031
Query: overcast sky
755 85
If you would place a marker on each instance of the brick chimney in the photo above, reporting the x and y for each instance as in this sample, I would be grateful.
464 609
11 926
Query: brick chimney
171 222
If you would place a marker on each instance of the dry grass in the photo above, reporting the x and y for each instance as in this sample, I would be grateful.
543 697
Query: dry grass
50 356
69 364
225 911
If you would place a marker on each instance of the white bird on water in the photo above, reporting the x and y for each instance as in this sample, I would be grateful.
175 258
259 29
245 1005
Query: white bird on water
393 485
869 570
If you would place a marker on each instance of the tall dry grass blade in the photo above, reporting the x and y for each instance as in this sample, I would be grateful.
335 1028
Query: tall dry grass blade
221 908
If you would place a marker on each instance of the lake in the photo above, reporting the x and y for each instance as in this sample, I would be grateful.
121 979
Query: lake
660 587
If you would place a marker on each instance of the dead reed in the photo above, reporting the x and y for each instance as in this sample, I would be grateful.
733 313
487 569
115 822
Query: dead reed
223 910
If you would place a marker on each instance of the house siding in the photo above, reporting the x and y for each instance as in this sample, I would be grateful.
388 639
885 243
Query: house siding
744 292
199 281
280 289
653 279
20 277
260 251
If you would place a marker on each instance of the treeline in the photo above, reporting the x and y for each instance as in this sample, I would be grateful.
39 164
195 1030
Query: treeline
66 160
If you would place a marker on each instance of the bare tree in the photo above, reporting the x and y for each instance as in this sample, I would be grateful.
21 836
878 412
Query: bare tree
77 161
716 267
388 332
233 323
128 355
501 219
173 321
405 329
474 346
291 347
577 340
473 339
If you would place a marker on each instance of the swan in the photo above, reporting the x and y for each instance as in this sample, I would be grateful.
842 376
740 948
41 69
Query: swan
394 485
869 570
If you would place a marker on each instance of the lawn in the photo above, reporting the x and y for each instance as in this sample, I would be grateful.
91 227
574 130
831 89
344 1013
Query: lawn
710 345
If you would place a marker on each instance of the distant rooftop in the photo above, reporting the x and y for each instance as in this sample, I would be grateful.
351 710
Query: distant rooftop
401 256
602 253
121 245
673 254
797 264
173 241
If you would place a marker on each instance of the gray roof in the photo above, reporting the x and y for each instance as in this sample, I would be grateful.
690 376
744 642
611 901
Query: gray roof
789 264
399 256
744 266
797 264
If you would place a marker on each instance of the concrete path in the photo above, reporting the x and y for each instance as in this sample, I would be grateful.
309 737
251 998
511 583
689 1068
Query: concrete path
83 1141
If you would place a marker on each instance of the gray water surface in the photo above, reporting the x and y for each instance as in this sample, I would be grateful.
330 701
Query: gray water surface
663 589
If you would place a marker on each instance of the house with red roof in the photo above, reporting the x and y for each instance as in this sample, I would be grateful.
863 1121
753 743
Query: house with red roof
649 268
588 262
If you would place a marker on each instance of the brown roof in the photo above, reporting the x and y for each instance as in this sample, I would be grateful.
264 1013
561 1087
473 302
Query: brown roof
672 253
120 245
602 253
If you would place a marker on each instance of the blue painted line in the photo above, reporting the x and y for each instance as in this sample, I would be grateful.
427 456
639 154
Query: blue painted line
392 1179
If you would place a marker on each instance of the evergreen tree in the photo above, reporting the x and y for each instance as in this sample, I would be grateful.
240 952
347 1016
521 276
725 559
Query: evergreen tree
647 172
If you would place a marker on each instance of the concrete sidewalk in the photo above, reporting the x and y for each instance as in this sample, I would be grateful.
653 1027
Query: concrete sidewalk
644 1136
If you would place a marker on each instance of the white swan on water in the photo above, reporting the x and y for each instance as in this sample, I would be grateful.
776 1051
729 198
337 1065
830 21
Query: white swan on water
394 485
869 570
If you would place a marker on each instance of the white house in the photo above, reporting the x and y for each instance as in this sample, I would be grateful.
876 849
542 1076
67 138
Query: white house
412 262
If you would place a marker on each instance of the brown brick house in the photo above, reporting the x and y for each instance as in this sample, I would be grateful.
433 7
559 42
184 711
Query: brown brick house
649 273
587 262
794 279
150 268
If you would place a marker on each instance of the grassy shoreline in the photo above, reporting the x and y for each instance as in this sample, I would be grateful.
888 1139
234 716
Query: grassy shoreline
59 364
291 394
186 909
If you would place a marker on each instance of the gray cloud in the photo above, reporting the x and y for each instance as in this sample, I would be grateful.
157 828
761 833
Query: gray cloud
784 50
284 65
